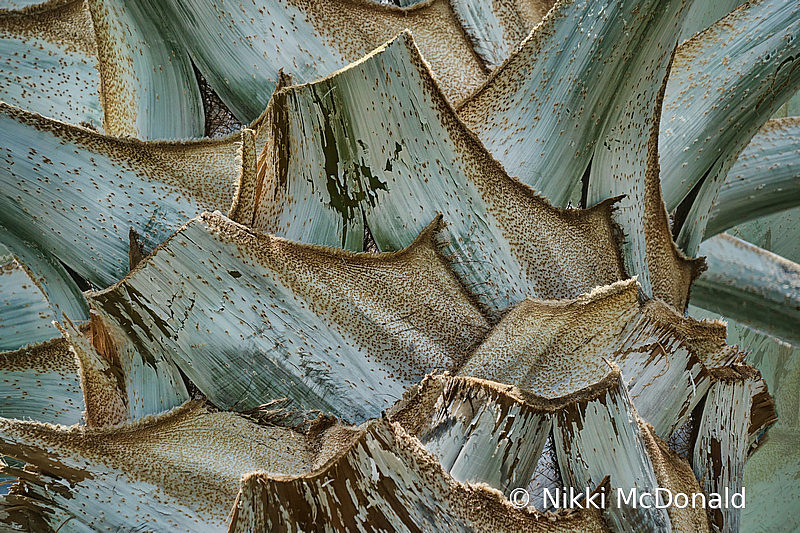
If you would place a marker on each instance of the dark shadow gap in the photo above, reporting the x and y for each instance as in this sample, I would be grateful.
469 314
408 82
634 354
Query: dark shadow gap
682 441
682 211
194 392
546 476
219 121
369 244
585 185
82 283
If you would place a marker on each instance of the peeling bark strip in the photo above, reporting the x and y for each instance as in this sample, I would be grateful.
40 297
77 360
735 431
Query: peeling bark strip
762 415
665 371
471 425
135 249
379 138
41 382
386 481
600 435
175 472
48 169
723 440
260 318
556 347
479 431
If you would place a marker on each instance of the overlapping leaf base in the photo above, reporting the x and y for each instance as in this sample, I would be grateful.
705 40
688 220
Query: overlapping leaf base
258 371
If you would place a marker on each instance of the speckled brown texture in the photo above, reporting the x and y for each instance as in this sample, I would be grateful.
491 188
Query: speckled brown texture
49 355
675 474
533 11
671 271
190 454
117 95
506 240
205 168
386 480
555 347
102 392
317 273
353 25
241 209
41 381
64 22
